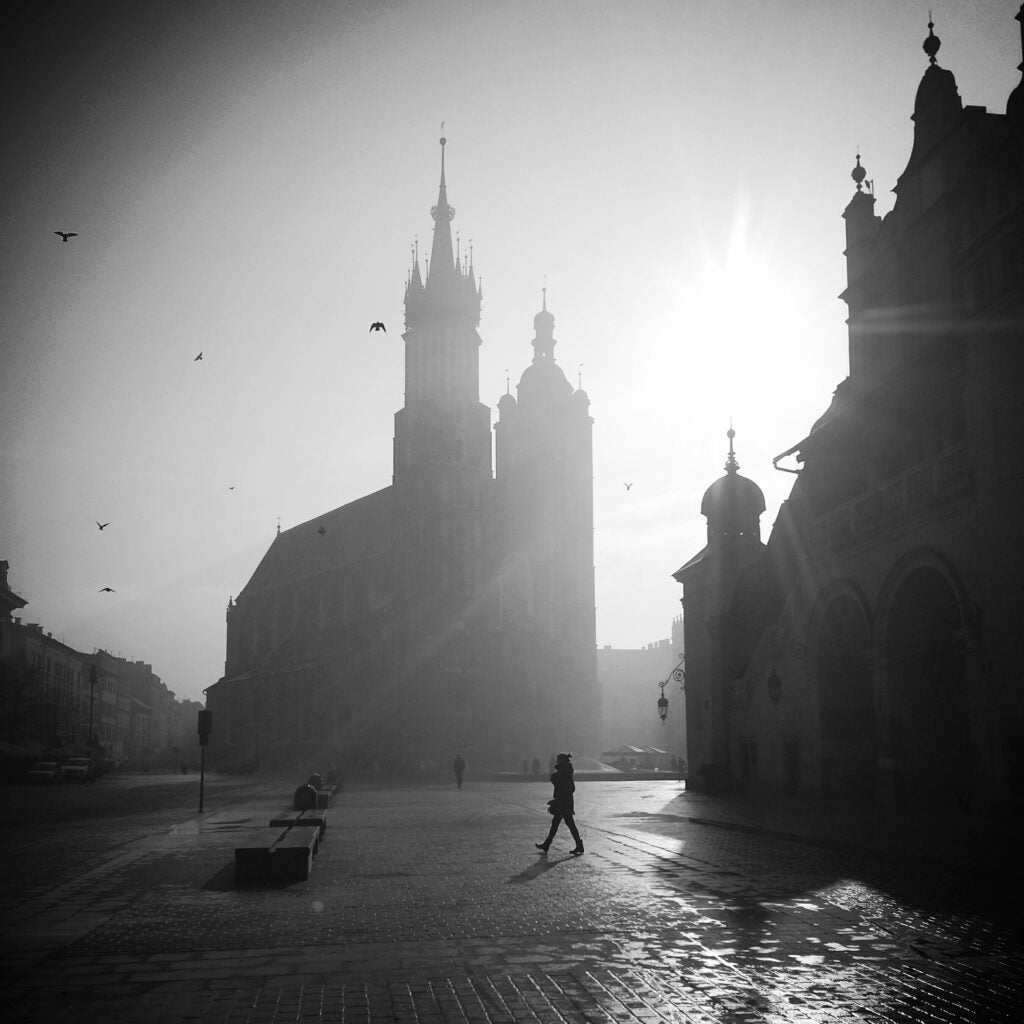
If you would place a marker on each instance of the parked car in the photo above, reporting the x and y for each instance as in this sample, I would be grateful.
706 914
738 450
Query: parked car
80 769
46 771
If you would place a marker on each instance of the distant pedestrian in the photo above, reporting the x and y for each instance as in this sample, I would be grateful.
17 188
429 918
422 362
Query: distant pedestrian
526 768
536 766
561 805
459 765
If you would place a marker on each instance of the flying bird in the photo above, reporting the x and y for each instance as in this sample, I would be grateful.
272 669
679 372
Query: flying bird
65 235
231 488
322 530
106 590
378 326
198 357
628 486
102 526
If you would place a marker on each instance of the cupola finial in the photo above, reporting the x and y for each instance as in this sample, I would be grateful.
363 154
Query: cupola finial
933 42
731 465
858 173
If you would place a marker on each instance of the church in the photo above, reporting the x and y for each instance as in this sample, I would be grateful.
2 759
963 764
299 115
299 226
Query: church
872 647
452 612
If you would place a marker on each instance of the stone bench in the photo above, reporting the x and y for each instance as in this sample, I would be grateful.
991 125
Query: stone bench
277 855
324 797
308 818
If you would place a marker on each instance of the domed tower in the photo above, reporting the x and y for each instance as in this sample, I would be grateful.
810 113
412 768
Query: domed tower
441 483
733 506
545 499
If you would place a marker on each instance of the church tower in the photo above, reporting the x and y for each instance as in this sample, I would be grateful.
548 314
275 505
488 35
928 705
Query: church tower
544 479
442 473
373 635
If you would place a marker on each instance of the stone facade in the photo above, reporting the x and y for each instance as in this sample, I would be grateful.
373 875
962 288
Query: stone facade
873 647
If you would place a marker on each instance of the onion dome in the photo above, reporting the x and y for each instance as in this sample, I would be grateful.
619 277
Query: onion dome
733 504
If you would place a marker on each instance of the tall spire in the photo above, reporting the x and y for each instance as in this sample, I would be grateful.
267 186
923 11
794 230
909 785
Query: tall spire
442 262
449 285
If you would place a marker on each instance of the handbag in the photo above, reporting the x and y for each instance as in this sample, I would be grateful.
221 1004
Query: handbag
553 807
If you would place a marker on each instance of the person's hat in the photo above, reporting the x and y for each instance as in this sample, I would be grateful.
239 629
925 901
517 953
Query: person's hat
563 757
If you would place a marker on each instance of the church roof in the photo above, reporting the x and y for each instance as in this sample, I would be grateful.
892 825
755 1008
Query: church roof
349 534
696 560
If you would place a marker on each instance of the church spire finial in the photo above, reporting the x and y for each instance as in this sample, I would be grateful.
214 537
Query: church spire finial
441 258
933 42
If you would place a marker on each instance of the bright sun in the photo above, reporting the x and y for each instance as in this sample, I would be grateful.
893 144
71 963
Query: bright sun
734 327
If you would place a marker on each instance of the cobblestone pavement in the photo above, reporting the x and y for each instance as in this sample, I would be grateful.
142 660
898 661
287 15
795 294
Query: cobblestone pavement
430 904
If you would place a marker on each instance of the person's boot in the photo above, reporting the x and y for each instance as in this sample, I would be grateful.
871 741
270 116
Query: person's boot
577 851
543 847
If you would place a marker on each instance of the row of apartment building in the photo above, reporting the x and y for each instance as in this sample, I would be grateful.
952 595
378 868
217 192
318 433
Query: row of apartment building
53 697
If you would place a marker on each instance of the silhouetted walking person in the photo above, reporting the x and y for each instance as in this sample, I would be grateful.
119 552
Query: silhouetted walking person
460 766
561 804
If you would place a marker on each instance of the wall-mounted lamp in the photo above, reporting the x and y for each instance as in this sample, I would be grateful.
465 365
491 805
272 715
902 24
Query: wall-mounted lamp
679 676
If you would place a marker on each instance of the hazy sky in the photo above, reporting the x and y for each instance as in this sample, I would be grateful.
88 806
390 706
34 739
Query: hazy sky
247 178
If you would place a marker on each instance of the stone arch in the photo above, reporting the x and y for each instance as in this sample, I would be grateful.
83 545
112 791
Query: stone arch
841 666
918 633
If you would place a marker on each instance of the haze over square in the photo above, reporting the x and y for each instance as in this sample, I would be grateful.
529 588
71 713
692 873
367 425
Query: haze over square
247 182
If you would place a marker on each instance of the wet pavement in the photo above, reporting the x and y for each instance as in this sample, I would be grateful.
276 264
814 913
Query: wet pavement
430 904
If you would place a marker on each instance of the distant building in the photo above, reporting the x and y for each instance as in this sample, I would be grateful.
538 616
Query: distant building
629 680
873 646
52 696
453 610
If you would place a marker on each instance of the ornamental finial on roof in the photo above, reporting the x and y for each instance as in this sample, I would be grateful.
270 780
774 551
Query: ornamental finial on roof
731 465
932 43
858 173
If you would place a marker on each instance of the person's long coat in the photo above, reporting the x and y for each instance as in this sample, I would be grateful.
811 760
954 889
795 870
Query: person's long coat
561 802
